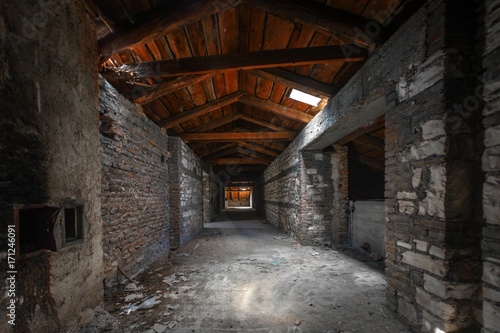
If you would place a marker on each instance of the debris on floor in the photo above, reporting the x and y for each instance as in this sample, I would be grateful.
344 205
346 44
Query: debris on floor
132 287
314 253
276 261
147 304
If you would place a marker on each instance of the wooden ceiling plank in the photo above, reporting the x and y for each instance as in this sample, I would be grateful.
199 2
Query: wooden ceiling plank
211 151
296 81
216 123
155 23
235 61
371 162
278 109
323 18
232 136
262 123
144 95
236 161
198 111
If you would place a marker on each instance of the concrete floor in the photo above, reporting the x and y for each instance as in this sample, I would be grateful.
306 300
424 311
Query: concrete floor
242 275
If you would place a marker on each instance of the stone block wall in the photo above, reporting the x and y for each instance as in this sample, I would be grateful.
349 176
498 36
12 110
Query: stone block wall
491 166
49 154
186 193
135 186
298 195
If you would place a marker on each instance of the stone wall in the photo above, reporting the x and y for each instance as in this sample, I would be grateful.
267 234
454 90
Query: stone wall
298 195
135 186
186 193
491 166
49 154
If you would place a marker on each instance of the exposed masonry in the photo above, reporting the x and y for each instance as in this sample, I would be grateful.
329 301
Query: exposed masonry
49 155
491 166
135 185
186 193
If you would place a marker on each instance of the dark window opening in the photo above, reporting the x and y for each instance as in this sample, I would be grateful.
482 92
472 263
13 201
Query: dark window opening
73 224
35 228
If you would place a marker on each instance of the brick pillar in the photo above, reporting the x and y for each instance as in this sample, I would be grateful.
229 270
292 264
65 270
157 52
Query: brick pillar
433 215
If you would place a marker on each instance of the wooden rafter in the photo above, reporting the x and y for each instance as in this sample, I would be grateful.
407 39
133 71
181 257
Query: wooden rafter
275 108
371 162
323 18
156 23
259 148
235 136
293 80
198 111
225 62
244 160
143 95
368 128
262 123
210 152
216 123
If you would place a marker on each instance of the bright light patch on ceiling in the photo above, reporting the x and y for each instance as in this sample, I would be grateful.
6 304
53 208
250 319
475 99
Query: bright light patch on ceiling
305 98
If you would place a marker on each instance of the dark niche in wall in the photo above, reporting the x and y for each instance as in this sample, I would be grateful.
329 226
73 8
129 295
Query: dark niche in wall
366 177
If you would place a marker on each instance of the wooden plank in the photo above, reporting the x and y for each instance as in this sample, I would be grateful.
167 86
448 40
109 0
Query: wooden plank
370 142
261 122
323 18
236 161
278 109
143 95
232 136
211 151
198 111
216 123
155 23
259 148
293 80
371 162
235 61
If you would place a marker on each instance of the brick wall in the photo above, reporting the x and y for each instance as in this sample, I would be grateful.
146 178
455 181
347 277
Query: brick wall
491 166
49 144
186 193
135 162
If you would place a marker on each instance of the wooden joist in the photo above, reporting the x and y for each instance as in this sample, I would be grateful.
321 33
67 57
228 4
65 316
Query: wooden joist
236 161
156 23
143 95
275 108
216 123
232 136
225 62
371 162
261 122
368 128
211 152
198 111
296 81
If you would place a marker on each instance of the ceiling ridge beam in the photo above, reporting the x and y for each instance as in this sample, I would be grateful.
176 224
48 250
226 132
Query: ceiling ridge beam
234 61
158 22
199 111
278 109
216 123
144 95
238 136
329 20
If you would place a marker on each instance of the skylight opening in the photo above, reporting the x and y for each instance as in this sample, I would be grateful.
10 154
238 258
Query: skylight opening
304 98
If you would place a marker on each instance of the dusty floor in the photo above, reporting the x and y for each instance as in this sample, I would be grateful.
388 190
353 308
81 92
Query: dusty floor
244 276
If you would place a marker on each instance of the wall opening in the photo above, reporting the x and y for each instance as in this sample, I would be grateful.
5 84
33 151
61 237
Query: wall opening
238 197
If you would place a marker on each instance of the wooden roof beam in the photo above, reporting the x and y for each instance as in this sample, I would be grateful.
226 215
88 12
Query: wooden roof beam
275 108
296 81
238 136
143 95
199 111
331 21
156 23
235 61
216 123
262 123
259 149
236 161
210 152
371 162
370 142
379 123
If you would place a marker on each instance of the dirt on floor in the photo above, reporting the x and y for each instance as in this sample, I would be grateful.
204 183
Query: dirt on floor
245 276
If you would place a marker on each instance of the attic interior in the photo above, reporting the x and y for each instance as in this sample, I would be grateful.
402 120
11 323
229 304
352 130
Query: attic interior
140 137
